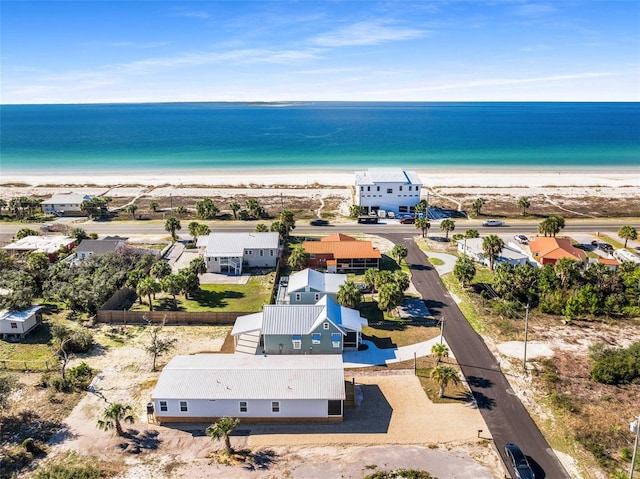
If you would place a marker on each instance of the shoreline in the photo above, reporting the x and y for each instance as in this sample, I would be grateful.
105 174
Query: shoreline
313 179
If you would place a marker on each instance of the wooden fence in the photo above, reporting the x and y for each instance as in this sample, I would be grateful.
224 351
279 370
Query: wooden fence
31 365
222 318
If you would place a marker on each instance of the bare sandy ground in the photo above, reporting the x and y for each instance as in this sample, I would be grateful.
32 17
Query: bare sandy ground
395 426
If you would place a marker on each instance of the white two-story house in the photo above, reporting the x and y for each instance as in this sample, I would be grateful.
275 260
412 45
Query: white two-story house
388 189
230 252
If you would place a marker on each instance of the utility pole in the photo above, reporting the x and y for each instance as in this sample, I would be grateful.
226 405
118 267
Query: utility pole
634 427
442 329
526 334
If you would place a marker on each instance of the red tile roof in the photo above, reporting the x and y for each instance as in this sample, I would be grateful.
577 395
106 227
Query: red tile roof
341 246
555 248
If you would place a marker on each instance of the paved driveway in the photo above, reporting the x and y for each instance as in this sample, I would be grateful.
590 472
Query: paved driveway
373 356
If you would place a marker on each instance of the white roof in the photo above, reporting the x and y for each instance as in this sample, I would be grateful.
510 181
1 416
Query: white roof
244 376
247 324
317 281
19 316
387 175
474 246
234 244
42 244
66 198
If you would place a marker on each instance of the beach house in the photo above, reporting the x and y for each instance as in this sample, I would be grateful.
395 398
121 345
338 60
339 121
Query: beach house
308 286
231 252
206 387
67 204
548 250
388 189
340 252
90 247
472 247
50 245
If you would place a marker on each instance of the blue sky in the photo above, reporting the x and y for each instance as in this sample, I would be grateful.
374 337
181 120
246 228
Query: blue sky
511 50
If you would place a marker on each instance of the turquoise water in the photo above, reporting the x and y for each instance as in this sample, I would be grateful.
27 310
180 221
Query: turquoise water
209 137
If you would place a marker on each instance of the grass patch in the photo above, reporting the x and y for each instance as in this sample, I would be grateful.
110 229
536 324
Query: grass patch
613 242
466 305
436 261
396 334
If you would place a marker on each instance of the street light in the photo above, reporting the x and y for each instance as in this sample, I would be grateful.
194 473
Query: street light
634 427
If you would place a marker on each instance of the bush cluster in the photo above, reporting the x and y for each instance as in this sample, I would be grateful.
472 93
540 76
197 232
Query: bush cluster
616 365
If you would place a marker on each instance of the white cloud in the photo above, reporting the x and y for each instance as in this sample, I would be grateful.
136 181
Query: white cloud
367 33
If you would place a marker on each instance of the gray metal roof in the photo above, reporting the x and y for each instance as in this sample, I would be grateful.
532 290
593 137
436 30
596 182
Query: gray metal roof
66 198
98 246
374 176
244 376
290 318
6 315
234 244
317 281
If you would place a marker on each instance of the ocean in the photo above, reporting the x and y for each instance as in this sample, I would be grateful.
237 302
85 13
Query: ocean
271 137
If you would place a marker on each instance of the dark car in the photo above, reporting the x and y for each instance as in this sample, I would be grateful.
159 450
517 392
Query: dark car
407 220
606 247
518 461
318 222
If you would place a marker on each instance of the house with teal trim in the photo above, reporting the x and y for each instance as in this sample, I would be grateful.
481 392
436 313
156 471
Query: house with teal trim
309 286
321 328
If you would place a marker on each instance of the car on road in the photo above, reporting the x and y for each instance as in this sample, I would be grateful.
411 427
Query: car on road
522 239
318 222
518 461
407 220
606 247
493 223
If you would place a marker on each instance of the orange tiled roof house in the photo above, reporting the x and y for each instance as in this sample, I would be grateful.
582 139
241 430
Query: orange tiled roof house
548 250
340 252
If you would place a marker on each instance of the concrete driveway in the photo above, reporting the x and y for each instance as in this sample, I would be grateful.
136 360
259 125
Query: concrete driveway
373 356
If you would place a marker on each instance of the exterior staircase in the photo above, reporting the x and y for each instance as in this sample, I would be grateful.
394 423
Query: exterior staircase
248 343
350 394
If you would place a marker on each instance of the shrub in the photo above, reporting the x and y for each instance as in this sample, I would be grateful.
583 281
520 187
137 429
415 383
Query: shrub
616 365
80 376
81 341
60 384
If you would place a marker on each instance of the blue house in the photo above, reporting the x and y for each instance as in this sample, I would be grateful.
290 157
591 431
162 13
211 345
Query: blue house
321 328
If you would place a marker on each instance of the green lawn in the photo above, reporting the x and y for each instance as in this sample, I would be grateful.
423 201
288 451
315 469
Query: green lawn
248 297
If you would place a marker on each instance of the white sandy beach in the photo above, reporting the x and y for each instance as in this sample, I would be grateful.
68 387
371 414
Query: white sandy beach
312 183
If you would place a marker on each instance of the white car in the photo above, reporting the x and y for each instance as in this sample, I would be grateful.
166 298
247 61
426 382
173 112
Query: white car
492 223
522 239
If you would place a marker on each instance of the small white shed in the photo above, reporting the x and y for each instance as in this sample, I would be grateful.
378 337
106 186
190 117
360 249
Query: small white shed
17 324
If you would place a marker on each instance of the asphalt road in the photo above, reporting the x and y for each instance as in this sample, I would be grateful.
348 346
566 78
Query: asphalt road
124 228
506 417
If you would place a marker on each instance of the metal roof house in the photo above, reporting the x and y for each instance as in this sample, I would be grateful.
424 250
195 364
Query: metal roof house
17 324
89 247
472 247
65 204
308 286
205 387
388 189
230 252
50 245
321 328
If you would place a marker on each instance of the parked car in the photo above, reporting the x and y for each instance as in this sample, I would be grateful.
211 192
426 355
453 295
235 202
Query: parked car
522 239
318 222
606 247
518 461
492 223
407 220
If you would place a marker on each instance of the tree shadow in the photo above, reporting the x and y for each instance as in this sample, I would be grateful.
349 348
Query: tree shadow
483 401
260 460
216 299
434 307
137 442
478 382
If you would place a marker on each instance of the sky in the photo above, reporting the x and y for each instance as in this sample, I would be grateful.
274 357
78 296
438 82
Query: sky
414 50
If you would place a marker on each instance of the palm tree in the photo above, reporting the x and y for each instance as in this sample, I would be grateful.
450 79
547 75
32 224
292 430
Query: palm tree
114 415
160 269
254 208
422 223
261 228
447 225
492 246
193 228
440 350
171 225
421 207
132 210
349 295
298 257
148 287
524 203
551 226
399 252
627 233
79 234
234 206
287 222
153 206
471 233
173 285
464 270
222 429
444 375
369 279
477 205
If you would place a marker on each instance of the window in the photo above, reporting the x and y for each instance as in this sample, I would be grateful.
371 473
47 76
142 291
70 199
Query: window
317 296
14 325
243 406
335 340
249 252
409 187
378 188
315 338
298 296
312 256
261 252
325 326
296 340
275 406
368 188
400 188
389 190
163 406
362 188
183 406
402 209
271 252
